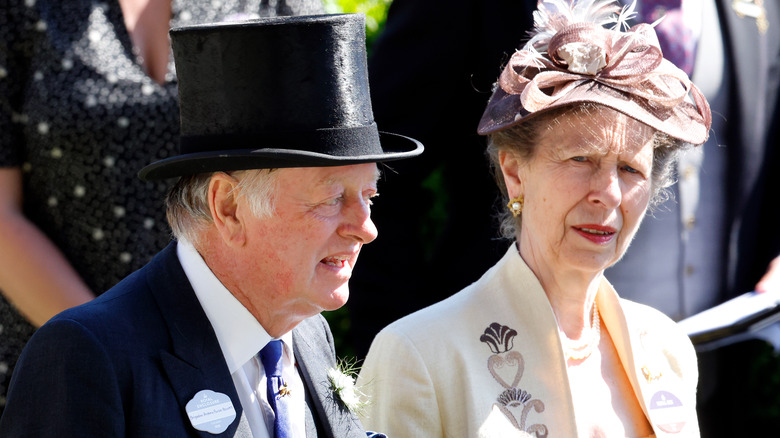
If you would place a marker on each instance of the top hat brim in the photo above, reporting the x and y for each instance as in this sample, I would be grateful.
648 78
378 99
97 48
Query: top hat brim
394 147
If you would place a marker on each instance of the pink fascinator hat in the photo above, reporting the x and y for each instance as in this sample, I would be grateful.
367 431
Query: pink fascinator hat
583 51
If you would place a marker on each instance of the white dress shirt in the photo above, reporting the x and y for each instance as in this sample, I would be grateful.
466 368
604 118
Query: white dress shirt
241 337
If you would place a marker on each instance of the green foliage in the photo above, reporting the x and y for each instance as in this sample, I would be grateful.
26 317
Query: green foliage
374 10
435 218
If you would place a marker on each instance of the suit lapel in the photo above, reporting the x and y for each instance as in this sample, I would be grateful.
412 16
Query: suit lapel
313 426
196 362
311 342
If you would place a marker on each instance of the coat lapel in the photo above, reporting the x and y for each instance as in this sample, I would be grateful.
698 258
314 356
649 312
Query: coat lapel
311 342
641 354
196 362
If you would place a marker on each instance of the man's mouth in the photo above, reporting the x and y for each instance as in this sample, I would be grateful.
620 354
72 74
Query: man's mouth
337 261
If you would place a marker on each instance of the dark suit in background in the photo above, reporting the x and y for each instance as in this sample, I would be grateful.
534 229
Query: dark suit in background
753 138
138 354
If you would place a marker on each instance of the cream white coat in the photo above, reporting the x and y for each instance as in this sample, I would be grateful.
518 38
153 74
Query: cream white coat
488 362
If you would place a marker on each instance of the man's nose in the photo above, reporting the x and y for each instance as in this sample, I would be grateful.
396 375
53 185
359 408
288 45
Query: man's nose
358 224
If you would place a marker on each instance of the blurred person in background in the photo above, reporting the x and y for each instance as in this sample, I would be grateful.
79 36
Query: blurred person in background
87 97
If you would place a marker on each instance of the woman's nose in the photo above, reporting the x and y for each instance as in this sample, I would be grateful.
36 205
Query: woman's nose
605 188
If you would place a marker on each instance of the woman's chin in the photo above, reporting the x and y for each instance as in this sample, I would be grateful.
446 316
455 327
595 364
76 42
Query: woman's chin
593 264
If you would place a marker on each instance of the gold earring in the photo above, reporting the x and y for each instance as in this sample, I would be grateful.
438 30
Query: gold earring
515 205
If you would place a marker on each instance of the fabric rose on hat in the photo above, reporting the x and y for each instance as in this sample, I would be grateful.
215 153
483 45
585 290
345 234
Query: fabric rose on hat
583 58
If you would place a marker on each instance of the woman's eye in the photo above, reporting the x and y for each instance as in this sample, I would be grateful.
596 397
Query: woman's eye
579 159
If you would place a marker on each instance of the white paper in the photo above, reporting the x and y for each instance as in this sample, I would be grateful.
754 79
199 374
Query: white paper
730 312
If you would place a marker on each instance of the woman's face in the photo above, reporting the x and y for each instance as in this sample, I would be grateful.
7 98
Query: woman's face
586 189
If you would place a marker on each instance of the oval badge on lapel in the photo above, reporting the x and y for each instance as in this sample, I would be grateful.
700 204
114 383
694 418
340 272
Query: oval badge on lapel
211 411
667 412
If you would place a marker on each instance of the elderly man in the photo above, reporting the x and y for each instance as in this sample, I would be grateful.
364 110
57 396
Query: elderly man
220 334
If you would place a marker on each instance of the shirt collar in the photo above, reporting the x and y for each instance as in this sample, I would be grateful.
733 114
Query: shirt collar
239 334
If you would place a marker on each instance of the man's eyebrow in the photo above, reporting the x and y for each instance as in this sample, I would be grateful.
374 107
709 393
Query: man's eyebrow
329 180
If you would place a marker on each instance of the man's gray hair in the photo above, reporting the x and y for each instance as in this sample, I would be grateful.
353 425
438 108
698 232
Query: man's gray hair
187 205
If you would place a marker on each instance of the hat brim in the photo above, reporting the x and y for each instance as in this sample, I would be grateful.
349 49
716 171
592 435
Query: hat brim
682 121
394 146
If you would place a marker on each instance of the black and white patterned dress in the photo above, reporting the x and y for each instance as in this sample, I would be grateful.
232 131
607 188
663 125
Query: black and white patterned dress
80 117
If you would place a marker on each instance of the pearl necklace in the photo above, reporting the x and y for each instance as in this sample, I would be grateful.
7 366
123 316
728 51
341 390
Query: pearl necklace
582 349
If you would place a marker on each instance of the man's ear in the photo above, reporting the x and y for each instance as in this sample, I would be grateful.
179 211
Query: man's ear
510 169
223 204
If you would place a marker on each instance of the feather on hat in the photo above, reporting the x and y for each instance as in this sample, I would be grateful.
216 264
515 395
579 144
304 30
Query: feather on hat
571 57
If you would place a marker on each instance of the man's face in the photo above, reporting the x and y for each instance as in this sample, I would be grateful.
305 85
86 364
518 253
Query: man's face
300 259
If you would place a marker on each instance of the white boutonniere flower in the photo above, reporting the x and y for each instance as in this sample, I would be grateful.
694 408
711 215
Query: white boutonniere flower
342 382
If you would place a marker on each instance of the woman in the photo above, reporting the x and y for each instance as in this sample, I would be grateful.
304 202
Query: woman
584 125
87 98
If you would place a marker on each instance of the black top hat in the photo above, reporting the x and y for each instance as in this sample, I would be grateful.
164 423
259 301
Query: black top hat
275 92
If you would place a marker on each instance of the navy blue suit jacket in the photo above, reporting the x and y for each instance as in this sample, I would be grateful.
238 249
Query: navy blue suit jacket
127 363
